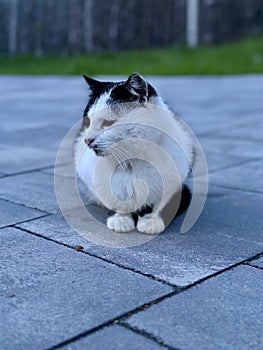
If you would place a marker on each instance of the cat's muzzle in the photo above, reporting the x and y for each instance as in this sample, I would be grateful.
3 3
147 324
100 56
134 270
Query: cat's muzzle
92 145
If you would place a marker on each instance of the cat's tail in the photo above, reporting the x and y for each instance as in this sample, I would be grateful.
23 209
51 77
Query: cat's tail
185 200
180 200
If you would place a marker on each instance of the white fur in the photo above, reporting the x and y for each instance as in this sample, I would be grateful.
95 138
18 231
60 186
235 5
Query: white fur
123 182
150 224
101 104
121 223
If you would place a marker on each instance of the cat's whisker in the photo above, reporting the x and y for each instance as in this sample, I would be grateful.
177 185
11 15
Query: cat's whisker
124 153
122 157
118 159
122 163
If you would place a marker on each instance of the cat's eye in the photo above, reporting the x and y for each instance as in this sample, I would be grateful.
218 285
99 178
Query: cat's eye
86 122
107 123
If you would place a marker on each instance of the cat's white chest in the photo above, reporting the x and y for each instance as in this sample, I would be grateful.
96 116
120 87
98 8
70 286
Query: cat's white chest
85 168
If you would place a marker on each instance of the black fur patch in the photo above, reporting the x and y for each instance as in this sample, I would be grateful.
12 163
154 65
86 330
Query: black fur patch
147 209
122 91
151 91
184 204
121 94
185 200
97 88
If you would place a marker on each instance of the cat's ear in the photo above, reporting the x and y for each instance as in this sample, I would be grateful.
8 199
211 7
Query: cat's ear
92 83
137 86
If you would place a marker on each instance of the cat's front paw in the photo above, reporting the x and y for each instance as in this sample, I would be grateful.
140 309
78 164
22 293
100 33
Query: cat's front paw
151 225
120 223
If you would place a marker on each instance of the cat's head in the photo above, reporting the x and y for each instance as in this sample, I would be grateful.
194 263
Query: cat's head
104 94
109 102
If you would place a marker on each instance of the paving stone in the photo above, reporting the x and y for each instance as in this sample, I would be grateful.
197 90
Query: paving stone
40 138
197 100
217 161
224 312
231 148
50 293
222 152
61 170
114 338
12 213
246 176
257 263
41 101
213 103
209 123
30 149
31 116
228 231
35 190
246 133
16 159
56 228
234 213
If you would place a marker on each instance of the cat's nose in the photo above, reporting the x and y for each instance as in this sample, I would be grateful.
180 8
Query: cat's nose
89 141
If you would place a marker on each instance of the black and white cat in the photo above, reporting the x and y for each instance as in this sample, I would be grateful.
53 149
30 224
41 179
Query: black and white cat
122 123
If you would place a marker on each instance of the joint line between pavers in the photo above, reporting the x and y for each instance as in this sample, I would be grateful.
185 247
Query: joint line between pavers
255 266
147 335
24 221
177 289
241 162
28 171
240 126
121 319
25 206
243 262
235 188
100 258
250 261
106 324
138 309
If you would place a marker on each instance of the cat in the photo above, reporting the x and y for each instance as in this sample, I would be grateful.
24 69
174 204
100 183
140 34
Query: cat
121 130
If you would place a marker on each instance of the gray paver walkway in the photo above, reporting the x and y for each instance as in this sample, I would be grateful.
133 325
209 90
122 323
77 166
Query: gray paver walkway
70 291
221 313
201 290
114 338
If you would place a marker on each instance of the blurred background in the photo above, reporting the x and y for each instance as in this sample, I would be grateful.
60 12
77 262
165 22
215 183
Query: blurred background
119 36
